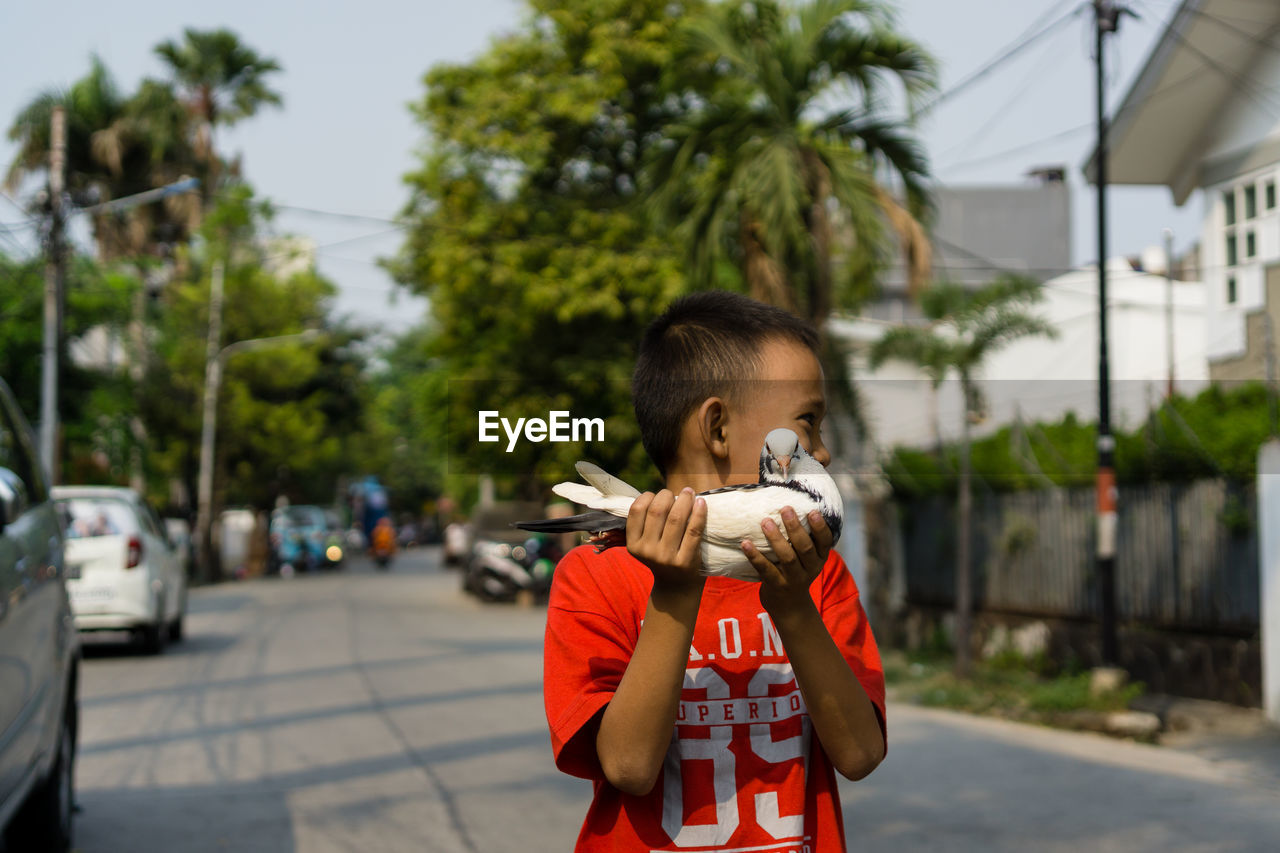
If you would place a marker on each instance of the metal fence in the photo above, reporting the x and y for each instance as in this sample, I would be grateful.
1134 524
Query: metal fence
1187 554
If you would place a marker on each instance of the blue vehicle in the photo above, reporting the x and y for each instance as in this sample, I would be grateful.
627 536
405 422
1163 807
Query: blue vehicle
301 539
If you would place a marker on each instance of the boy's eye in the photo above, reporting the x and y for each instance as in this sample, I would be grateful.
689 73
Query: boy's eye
810 419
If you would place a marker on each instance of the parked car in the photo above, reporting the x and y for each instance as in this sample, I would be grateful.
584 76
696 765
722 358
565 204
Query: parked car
39 653
123 574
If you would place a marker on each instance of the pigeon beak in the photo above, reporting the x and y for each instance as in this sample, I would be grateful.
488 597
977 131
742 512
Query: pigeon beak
785 465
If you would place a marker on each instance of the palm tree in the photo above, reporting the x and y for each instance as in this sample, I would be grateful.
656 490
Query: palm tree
965 326
116 146
222 81
785 147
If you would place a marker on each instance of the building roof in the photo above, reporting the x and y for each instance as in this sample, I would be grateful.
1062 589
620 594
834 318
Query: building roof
980 231
1201 63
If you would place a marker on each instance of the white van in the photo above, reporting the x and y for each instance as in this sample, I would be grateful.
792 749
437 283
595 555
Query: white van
122 572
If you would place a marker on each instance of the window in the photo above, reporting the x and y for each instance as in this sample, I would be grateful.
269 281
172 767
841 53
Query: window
1231 290
1232 260
1229 206
1250 201
1250 245
89 518
1270 195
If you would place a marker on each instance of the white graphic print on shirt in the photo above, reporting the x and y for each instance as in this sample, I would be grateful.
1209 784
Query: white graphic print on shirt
748 720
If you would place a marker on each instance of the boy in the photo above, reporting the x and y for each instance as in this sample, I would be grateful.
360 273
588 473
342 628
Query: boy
711 713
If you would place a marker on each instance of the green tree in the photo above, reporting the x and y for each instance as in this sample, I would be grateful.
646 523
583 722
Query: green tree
222 81
93 397
782 151
117 145
525 232
288 415
404 426
965 327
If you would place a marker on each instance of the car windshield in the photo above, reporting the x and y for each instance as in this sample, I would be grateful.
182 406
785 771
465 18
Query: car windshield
300 516
91 517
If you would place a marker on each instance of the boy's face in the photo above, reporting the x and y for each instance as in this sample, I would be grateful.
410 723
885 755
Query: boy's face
788 392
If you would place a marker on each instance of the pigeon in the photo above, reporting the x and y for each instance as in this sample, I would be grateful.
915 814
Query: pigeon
789 476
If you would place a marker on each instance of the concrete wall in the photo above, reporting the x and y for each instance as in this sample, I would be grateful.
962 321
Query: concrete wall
1251 364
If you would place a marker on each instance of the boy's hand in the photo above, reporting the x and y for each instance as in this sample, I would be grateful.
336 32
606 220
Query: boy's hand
664 531
785 584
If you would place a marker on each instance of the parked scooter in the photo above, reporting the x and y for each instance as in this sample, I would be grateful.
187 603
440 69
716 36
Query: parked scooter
498 571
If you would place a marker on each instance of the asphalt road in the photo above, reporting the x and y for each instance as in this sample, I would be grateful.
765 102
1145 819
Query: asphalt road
389 712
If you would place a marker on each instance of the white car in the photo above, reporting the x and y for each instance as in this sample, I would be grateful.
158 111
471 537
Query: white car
122 572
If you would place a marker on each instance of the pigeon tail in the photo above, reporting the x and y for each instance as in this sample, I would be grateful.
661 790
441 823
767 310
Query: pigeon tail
592 497
607 530
587 522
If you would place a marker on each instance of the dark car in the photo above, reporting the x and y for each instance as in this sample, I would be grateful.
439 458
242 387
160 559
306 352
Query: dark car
39 653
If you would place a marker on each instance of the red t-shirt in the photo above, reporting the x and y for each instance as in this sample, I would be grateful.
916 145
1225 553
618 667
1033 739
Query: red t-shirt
744 772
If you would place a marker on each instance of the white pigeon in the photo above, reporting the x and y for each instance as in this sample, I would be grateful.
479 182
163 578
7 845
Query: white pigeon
789 476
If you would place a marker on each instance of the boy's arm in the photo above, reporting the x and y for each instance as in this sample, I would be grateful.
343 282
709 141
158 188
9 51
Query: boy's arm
843 716
665 533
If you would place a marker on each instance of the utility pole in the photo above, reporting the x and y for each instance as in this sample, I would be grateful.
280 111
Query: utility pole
1168 304
212 380
1106 19
53 280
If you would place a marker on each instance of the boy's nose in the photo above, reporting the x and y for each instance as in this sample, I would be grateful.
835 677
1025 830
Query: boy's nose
820 452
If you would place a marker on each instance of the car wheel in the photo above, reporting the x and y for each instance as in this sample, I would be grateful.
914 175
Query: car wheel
45 822
175 630
155 638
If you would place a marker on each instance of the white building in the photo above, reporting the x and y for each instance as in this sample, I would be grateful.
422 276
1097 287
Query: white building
1043 379
288 255
1204 114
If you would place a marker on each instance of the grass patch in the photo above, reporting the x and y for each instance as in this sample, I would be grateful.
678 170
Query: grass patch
1005 686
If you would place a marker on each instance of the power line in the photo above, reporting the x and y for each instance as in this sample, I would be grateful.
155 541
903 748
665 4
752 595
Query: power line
1017 149
1072 131
353 217
1008 53
1032 79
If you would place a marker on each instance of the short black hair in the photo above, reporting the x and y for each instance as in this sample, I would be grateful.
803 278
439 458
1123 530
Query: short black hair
702 346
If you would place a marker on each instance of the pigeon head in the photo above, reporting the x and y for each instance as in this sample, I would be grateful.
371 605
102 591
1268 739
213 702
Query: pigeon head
781 450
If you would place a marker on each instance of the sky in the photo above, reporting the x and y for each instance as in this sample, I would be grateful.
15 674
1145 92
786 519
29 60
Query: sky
345 136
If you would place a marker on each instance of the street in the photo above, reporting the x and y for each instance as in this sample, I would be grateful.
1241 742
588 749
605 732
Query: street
378 712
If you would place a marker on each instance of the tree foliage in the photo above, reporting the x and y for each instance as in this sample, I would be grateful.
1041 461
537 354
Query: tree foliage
116 145
525 231
776 167
289 413
1216 433
93 404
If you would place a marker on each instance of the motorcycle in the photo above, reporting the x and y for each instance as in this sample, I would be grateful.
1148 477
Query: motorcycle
382 555
499 571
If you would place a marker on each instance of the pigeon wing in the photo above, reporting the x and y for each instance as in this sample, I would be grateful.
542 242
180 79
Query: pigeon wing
735 514
606 483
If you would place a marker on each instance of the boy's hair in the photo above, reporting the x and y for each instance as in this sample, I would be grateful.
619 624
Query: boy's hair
702 346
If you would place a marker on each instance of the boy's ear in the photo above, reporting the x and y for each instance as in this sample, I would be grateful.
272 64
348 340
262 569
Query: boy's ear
713 420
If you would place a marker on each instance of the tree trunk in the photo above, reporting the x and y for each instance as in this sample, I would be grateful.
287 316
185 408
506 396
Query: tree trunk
818 182
766 281
964 511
